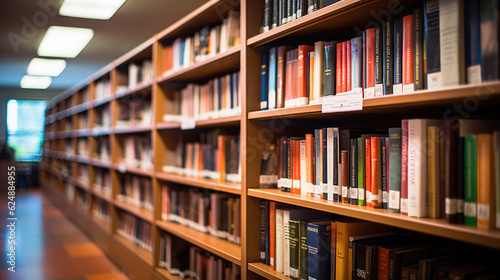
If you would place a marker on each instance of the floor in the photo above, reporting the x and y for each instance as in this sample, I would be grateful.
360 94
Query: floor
48 245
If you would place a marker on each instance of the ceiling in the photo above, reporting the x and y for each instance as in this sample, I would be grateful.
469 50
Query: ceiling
24 22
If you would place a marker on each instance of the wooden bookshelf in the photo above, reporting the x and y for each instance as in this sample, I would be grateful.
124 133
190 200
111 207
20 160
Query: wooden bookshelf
165 274
141 213
234 188
266 271
217 246
216 122
143 254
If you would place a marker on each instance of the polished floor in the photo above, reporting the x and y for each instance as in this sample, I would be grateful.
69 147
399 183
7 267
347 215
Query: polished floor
48 245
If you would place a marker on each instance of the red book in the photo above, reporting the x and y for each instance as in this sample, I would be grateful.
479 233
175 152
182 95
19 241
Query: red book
368 172
404 167
338 83
168 58
344 174
344 66
309 160
348 67
304 51
370 57
376 172
280 76
272 234
296 166
407 50
289 77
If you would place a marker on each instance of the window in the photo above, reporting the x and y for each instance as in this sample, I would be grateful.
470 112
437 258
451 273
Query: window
25 125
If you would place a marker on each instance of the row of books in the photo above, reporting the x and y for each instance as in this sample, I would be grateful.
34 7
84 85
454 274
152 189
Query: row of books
102 117
135 111
102 180
69 191
390 58
217 157
209 212
83 147
137 191
307 244
82 121
83 173
187 261
140 73
81 199
219 97
416 169
204 44
279 12
102 88
137 151
101 210
102 150
135 230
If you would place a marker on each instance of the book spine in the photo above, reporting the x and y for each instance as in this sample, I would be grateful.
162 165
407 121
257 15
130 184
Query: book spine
267 15
272 234
303 254
331 162
496 138
353 175
313 258
433 199
470 180
418 47
379 65
280 236
271 99
368 171
485 182
356 63
394 169
338 69
344 178
361 172
329 77
303 53
398 56
318 161
324 177
451 32
460 180
310 91
344 67
404 167
407 54
376 172
348 66
309 163
289 80
384 144
303 170
263 84
363 79
417 168
388 63
275 14
489 40
370 63
336 156
432 44
294 236
451 165
280 77
319 70
264 225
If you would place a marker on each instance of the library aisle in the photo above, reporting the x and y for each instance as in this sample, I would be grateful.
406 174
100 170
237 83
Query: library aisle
48 245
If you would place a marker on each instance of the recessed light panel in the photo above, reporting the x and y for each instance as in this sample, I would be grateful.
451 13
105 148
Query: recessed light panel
46 67
60 41
35 82
93 9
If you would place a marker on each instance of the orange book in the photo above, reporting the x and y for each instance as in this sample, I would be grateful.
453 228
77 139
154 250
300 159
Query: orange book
272 234
296 166
376 172
311 73
309 160
368 173
370 57
338 75
348 66
344 66
280 77
407 50
168 58
485 181
304 51
289 79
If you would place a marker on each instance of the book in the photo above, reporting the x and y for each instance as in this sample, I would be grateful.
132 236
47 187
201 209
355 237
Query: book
451 31
344 67
394 169
368 171
405 257
472 26
263 83
272 235
319 70
344 175
361 171
384 144
379 63
485 182
264 232
348 67
356 63
470 207
451 169
318 244
303 253
266 25
271 98
432 44
303 53
408 45
290 78
338 68
294 237
330 68
397 87
353 172
310 91
489 40
433 164
356 267
388 57
370 63
376 172
418 49
496 139
280 241
404 167
280 76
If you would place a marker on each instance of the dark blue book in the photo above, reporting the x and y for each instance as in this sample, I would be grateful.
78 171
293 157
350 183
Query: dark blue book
325 162
489 40
318 247
388 57
379 65
263 83
330 68
418 49
294 9
284 11
472 23
264 232
272 71
325 3
398 51
274 22
353 172
432 44
267 15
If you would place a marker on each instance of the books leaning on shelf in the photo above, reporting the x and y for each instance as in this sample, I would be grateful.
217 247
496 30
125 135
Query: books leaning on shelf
82 200
390 58
181 53
137 191
136 151
140 73
187 261
102 117
134 111
216 157
82 147
135 230
218 98
102 88
215 213
82 121
102 150
102 180
416 169
100 210
83 173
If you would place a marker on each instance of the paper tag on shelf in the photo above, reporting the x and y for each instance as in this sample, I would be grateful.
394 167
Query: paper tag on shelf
309 188
474 74
435 80
188 124
470 209
409 88
345 191
122 168
370 92
379 90
483 211
342 103
397 89
394 198
361 194
450 206
353 193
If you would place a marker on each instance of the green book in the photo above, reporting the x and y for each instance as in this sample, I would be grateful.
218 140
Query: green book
470 178
361 171
394 169
303 272
294 236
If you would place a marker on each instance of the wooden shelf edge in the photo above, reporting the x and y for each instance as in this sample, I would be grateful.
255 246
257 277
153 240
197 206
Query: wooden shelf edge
141 253
140 87
233 188
101 164
141 213
101 195
135 170
438 227
212 244
102 101
135 51
266 271
164 273
131 129
224 121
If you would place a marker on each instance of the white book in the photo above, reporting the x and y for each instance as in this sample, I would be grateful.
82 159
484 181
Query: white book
319 72
280 234
133 74
451 40
417 166
330 161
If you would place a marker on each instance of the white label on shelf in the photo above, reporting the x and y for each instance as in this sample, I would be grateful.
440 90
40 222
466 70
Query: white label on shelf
404 205
483 211
353 193
450 206
361 194
296 184
470 209
409 88
474 74
397 89
302 101
345 191
357 91
394 198
316 190
385 197
434 81
188 124
309 188
122 168
379 90
342 103
280 183
335 189
368 196
370 92
324 188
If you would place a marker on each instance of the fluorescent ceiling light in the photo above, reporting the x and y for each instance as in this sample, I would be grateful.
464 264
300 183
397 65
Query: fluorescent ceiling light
62 41
94 9
46 67
37 82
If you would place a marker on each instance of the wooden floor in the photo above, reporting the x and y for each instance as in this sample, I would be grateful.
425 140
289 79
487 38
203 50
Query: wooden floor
48 245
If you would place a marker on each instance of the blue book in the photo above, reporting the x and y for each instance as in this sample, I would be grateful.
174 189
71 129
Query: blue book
330 68
263 83
398 51
318 249
388 57
432 43
271 99
356 62
473 40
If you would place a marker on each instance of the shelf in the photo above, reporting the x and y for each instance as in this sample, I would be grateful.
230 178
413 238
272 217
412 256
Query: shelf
64 134
102 164
217 65
163 272
212 244
338 16
443 97
139 89
84 132
234 188
143 254
80 108
100 131
50 135
82 159
439 227
102 101
104 225
225 121
266 271
101 195
122 168
79 184
131 129
141 213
